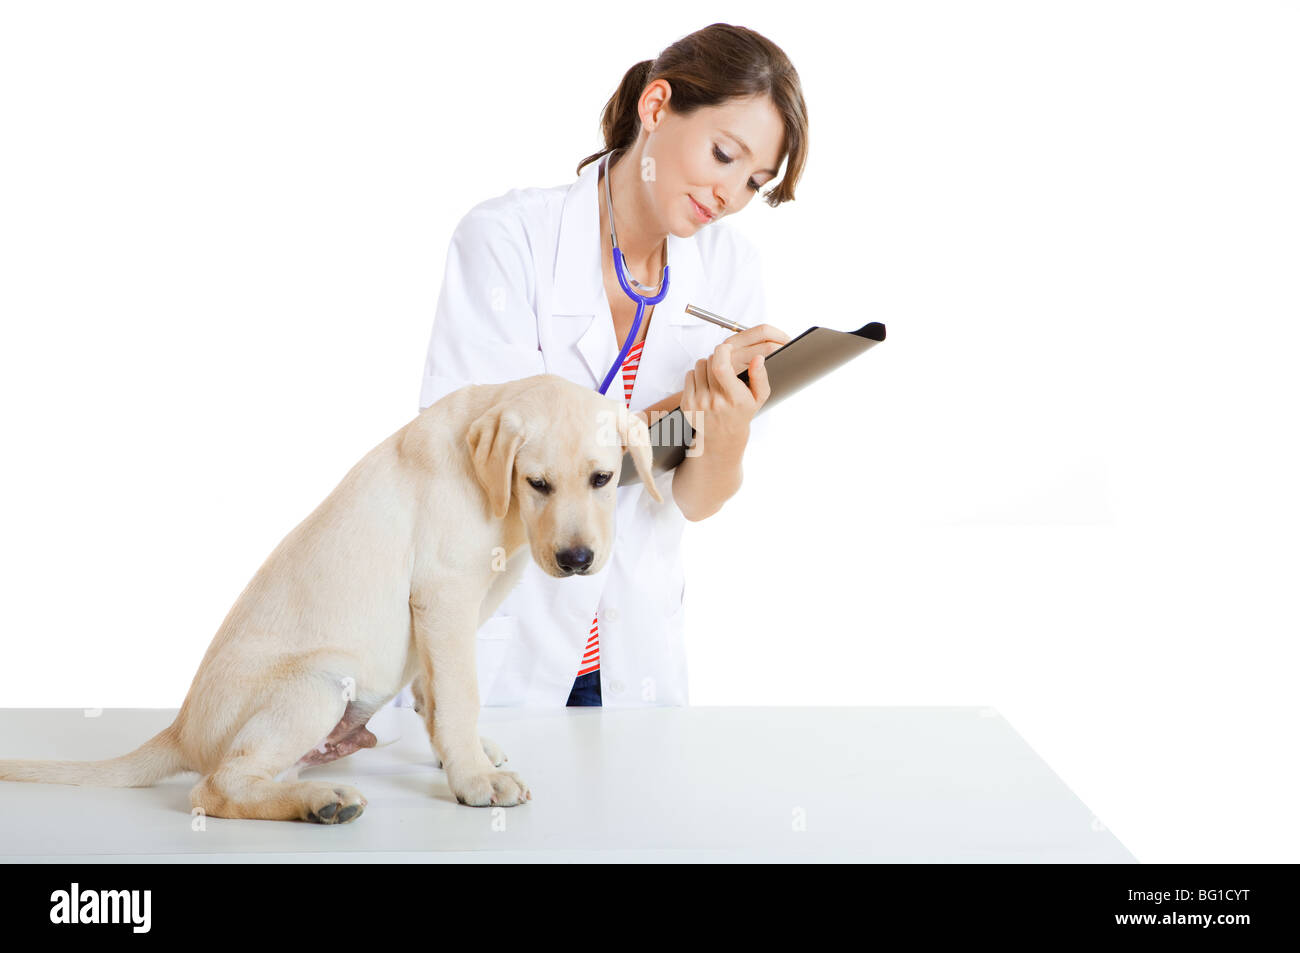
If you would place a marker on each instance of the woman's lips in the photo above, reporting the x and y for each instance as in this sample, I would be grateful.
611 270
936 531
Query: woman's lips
701 211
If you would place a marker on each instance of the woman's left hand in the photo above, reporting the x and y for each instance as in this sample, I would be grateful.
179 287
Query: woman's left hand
719 406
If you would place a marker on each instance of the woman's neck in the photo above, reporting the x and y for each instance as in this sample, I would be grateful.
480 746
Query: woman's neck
640 238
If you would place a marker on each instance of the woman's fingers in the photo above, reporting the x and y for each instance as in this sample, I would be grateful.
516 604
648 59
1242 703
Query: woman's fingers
725 379
772 333
758 383
722 372
757 334
703 384
742 354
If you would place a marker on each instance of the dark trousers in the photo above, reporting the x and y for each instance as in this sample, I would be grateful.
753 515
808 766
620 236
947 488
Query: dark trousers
586 690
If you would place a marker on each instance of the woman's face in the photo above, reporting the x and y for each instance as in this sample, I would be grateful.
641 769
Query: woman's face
717 157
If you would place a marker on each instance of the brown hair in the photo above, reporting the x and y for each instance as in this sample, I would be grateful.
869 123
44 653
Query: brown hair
707 68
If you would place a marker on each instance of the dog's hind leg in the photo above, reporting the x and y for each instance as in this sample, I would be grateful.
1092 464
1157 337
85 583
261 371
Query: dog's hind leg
303 711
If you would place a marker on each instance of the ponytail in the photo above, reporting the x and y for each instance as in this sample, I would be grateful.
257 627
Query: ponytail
620 122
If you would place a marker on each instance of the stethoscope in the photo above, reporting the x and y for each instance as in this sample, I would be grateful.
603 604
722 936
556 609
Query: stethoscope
654 294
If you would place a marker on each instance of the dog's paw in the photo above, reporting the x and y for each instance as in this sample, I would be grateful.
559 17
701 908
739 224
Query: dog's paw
490 789
490 748
332 804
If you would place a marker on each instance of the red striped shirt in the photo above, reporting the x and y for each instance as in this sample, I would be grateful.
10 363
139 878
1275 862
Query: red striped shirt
591 656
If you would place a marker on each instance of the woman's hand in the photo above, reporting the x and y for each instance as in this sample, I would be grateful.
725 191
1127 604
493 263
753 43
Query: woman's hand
719 408
718 405
761 339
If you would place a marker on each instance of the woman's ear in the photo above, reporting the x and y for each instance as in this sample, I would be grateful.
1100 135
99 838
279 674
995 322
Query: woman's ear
494 439
635 435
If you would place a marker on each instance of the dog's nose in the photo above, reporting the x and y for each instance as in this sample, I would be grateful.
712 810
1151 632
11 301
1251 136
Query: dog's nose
576 559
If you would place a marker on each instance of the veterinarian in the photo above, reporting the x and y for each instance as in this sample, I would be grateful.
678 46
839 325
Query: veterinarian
690 138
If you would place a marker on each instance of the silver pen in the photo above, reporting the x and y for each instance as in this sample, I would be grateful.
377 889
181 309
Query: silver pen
715 318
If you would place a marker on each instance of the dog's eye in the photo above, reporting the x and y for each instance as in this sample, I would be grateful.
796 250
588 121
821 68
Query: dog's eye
540 485
600 479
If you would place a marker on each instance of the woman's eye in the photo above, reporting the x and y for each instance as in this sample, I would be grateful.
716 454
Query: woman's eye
726 160
600 479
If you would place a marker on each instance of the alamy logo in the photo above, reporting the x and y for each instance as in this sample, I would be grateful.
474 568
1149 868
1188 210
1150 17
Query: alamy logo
102 906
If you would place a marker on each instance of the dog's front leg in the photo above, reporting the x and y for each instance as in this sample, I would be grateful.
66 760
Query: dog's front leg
490 748
448 672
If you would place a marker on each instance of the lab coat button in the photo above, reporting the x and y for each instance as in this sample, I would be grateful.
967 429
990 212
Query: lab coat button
616 687
611 615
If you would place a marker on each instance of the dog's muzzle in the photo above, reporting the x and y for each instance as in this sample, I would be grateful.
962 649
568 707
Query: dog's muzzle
574 560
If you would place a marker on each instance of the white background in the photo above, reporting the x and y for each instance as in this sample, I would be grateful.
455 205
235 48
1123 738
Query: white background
1064 487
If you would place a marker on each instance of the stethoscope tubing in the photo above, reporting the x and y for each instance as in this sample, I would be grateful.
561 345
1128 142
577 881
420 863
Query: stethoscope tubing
641 305
620 269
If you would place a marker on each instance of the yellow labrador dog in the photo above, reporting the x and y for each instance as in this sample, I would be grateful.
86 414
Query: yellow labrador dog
385 584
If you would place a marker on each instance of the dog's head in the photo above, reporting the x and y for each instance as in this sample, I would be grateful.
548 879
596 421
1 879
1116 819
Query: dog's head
556 449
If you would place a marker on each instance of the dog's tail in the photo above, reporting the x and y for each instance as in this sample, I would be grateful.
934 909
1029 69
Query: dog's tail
159 757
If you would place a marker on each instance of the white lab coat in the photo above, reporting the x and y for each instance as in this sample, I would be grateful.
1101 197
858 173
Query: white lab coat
523 295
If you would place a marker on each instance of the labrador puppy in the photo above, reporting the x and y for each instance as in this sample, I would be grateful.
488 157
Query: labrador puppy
385 584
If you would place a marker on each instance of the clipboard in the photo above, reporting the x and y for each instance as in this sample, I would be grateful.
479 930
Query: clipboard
790 368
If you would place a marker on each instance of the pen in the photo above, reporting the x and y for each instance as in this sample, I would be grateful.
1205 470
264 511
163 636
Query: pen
715 318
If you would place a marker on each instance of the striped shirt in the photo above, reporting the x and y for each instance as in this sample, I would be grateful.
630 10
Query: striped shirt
591 657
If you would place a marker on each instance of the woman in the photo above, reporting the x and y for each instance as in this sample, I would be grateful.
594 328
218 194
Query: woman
530 289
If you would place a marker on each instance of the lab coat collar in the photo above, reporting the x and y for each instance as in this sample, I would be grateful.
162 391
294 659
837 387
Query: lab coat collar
579 284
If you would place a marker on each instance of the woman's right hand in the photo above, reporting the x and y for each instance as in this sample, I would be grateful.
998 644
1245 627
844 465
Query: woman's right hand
761 339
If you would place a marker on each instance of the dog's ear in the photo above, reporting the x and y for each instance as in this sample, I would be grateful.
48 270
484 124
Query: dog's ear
494 439
634 433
